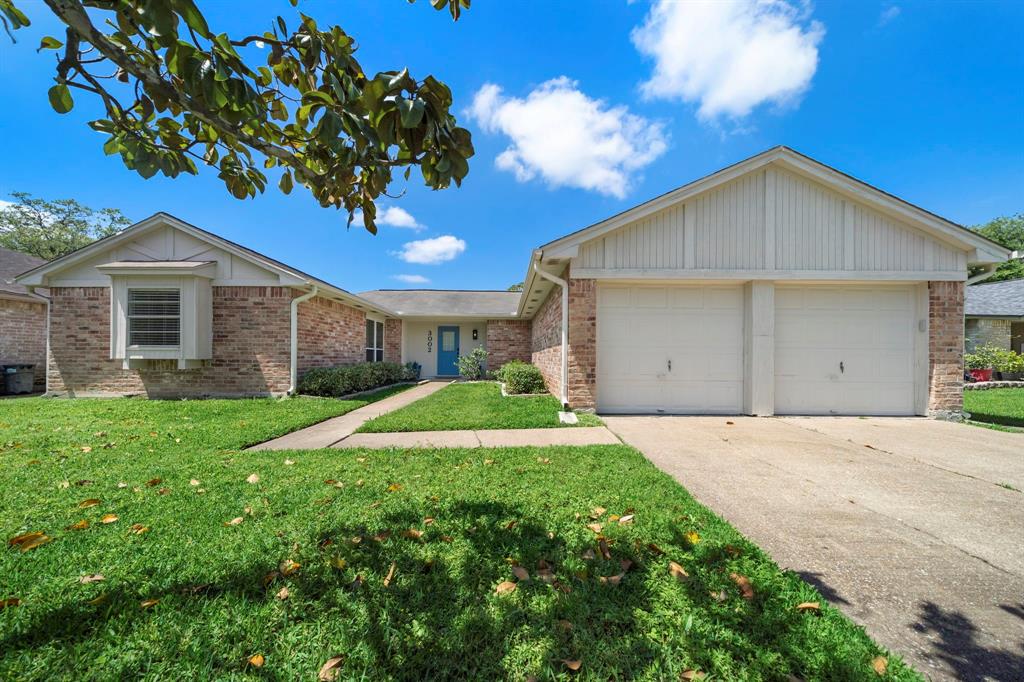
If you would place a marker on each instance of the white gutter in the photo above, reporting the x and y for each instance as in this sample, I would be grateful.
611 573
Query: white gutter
565 329
294 376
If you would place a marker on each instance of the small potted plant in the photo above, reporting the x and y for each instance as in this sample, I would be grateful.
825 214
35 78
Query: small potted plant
1010 365
979 364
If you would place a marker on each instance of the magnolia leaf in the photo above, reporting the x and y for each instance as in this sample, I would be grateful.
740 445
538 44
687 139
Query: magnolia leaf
520 573
289 462
288 567
235 521
253 478
505 587
571 664
678 571
149 603
746 589
29 541
109 518
596 527
256 660
11 601
283 593
597 512
394 487
654 548
78 525
412 534
99 600
154 482
139 529
194 482
692 675
880 664
808 606
91 502
391 575
84 448
628 518
95 578
602 547
329 671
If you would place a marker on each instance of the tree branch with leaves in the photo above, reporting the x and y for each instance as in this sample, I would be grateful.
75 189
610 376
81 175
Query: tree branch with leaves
177 95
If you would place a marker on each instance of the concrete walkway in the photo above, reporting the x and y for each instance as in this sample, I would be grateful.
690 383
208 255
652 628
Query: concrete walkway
913 527
327 433
491 438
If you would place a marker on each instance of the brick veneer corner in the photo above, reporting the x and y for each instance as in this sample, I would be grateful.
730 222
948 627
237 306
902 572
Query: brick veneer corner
507 340
546 340
392 340
23 336
945 349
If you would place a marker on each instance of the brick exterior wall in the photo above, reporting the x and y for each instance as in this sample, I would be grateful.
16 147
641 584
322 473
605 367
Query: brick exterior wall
507 340
546 342
329 333
987 332
23 336
945 349
392 340
251 333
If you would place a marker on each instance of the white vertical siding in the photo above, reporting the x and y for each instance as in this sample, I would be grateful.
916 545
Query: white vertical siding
654 242
729 225
808 225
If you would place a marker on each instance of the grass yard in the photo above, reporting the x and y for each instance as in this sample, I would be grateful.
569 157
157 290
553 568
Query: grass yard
999 406
471 406
466 564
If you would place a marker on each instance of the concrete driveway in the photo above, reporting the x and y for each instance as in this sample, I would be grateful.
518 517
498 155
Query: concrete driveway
904 524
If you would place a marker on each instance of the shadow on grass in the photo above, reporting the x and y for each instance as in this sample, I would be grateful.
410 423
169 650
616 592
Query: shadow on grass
1001 419
439 618
957 645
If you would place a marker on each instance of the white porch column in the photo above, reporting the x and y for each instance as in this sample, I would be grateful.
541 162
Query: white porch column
759 348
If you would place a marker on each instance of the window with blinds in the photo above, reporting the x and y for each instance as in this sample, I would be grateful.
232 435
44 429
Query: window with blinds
154 317
374 341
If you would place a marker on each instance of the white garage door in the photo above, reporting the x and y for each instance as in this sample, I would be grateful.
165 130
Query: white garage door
845 350
671 349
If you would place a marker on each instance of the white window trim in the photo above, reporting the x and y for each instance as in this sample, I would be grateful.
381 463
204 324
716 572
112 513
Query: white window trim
378 341
128 318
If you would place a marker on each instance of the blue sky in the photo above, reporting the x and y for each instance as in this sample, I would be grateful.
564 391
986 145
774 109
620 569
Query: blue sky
581 110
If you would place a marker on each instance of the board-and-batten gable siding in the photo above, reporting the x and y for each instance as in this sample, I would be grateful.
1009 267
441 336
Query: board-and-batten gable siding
812 229
167 243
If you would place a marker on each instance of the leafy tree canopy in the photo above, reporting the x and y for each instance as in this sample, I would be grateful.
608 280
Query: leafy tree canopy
1009 232
51 229
176 94
518 286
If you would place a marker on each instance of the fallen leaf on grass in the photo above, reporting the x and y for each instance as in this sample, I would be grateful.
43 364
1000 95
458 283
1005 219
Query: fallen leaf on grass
96 601
678 571
693 537
154 482
288 567
382 536
64 485
338 563
91 502
78 525
597 512
330 670
86 448
505 587
412 534
880 664
692 674
612 580
139 529
565 625
654 548
427 521
283 593
28 541
596 527
256 660
95 578
719 596
253 478
544 460
235 521
746 589
628 518
520 573
84 482
808 606
588 555
394 487
602 546
11 601
289 462
109 518
148 603
194 482
122 484
163 491
572 665
391 574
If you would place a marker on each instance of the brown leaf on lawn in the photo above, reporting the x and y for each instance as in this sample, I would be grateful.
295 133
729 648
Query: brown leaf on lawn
428 520
235 521
330 481
29 541
64 485
678 571
84 482
109 518
283 593
269 578
520 573
505 587
139 529
488 462
253 478
626 564
733 551
391 574
360 459
154 482
628 518
149 603
86 448
654 548
382 536
289 462
602 546
288 567
447 538
394 487
10 601
91 502
78 525
412 534
359 483
880 664
692 674
544 460
588 555
96 601
808 606
612 580
163 491
565 625
122 484
597 512
596 527
330 670
719 596
572 665
95 578
746 589
256 660
194 482
510 525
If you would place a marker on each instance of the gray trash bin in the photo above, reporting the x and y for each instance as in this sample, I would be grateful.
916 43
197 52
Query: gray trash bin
18 378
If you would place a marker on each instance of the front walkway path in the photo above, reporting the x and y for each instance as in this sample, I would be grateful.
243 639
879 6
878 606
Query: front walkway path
327 433
489 438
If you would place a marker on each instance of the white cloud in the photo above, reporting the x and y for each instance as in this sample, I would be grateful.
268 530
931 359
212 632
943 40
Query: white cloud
567 138
729 56
432 251
392 216
411 279
888 14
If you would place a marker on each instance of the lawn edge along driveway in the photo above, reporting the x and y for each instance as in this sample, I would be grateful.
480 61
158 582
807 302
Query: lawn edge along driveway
996 408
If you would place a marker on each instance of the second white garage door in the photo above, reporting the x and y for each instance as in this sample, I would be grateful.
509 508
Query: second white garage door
670 349
845 350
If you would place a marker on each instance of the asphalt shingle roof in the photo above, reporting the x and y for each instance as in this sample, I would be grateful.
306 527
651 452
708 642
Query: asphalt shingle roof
440 303
12 264
999 299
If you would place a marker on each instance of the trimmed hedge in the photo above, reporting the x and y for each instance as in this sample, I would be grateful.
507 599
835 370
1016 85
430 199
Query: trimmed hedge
521 377
335 382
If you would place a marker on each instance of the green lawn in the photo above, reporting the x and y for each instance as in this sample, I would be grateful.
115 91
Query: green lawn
448 527
999 406
478 405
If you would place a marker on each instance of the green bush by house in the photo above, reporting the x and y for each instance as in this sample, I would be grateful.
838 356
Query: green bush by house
334 382
521 377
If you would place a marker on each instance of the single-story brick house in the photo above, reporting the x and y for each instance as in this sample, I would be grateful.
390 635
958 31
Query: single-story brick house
22 317
777 285
994 315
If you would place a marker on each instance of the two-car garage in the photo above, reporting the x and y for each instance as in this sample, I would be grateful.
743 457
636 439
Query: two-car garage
835 349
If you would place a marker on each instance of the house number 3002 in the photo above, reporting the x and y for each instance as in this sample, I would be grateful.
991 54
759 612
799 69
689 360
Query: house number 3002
430 341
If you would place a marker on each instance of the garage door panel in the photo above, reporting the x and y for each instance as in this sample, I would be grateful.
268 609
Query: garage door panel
615 297
653 297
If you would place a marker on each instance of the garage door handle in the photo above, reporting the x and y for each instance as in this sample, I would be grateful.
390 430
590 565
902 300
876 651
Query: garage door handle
841 368
670 365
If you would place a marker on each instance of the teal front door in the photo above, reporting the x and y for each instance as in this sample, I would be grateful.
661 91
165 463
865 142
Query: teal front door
447 351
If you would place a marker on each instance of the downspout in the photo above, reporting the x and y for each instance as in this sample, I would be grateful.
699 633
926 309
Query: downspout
294 376
46 359
565 329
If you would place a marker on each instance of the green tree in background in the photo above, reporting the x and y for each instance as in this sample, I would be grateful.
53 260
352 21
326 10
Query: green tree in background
51 229
1007 231
518 286
176 93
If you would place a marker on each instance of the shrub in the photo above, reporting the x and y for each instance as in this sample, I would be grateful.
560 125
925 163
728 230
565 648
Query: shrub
334 382
982 358
473 365
1008 361
520 377
499 373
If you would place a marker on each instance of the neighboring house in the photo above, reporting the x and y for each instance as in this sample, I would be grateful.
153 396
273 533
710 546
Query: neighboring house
775 286
995 315
22 317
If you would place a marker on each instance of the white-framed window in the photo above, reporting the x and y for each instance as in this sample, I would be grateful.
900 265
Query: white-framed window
154 317
374 341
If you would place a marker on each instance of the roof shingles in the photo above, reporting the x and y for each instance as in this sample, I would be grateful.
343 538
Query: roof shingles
12 264
436 303
998 299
